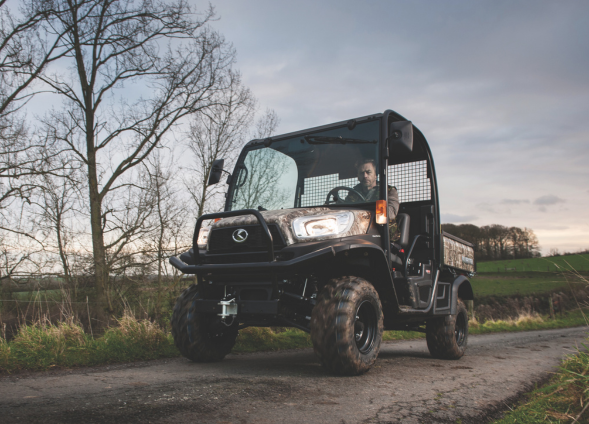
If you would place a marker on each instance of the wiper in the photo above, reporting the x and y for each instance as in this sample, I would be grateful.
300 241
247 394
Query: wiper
317 139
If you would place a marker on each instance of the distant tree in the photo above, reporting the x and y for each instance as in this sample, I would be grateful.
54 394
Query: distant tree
493 242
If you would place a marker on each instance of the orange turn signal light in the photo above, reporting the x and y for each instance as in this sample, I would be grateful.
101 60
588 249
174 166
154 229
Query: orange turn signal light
381 211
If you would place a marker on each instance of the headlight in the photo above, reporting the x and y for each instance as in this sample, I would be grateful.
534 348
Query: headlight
203 237
307 227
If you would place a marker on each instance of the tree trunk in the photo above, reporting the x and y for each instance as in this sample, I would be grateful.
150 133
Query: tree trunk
103 307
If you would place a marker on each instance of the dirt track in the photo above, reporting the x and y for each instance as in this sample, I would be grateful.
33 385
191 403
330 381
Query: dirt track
406 385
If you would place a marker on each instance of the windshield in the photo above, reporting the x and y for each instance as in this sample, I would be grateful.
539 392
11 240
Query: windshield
302 171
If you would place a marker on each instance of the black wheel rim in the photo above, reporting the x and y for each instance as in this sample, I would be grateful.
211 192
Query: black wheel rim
460 329
365 327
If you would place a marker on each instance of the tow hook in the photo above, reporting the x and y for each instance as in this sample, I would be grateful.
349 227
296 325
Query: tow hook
228 309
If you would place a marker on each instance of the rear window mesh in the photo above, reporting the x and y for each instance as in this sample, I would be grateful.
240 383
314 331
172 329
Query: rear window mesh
411 181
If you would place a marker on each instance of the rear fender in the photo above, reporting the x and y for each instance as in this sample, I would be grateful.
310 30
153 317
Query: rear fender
461 289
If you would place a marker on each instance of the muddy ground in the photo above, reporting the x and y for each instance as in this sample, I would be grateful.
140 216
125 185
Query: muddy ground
406 385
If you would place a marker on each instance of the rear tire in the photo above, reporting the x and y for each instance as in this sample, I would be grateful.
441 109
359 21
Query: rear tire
200 337
347 326
447 337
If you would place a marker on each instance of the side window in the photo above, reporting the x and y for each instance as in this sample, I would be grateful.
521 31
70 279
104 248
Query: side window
411 181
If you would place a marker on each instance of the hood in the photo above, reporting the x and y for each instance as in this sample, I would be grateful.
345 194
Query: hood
283 218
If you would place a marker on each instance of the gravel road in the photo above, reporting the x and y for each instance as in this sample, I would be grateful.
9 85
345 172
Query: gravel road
406 385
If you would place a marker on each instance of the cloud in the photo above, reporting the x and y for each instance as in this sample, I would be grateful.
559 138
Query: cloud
487 207
552 227
549 199
514 201
450 218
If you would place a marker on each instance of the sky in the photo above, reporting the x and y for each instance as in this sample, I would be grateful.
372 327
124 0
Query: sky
500 90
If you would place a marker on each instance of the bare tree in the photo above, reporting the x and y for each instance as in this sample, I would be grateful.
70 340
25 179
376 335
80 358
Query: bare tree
218 134
170 57
266 125
169 220
24 53
57 203
168 224
221 136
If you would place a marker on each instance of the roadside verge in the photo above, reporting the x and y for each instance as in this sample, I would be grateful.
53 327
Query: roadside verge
45 346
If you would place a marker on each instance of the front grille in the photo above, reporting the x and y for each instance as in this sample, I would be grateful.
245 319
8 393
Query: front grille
221 239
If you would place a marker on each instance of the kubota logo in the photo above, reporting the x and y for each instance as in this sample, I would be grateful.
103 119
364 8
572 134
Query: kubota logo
240 235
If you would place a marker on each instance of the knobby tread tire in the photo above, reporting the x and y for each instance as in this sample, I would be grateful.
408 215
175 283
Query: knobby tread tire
441 337
332 326
192 332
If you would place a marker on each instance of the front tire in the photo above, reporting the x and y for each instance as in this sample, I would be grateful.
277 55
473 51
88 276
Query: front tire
347 326
447 337
200 337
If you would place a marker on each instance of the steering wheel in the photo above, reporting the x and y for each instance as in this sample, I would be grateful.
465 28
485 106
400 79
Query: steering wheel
337 199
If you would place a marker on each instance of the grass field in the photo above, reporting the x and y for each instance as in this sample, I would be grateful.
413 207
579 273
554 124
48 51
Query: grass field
520 283
533 276
578 262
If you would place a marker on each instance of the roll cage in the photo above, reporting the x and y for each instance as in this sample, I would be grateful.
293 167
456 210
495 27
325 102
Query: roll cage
396 166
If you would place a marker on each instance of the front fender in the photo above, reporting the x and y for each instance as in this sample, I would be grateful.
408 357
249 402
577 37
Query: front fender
368 261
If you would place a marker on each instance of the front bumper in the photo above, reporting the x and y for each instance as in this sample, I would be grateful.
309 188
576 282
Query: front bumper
317 253
259 267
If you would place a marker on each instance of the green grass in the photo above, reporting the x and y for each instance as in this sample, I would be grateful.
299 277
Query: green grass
257 339
44 346
563 400
520 283
529 323
579 262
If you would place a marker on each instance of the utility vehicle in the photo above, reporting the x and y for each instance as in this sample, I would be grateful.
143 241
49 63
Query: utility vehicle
292 249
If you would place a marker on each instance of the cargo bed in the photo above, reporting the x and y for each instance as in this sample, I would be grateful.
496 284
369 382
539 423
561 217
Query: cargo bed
458 253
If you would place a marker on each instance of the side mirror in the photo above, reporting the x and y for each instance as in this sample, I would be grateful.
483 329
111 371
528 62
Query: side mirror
216 171
401 135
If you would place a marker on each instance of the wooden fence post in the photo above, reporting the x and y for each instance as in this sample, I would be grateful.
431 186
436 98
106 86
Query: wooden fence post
551 306
470 307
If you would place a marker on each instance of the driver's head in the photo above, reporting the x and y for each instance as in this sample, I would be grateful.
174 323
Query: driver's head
367 173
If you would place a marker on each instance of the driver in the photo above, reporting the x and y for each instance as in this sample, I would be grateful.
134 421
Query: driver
370 190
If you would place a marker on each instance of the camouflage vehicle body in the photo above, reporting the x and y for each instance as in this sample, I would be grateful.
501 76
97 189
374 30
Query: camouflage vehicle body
277 276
